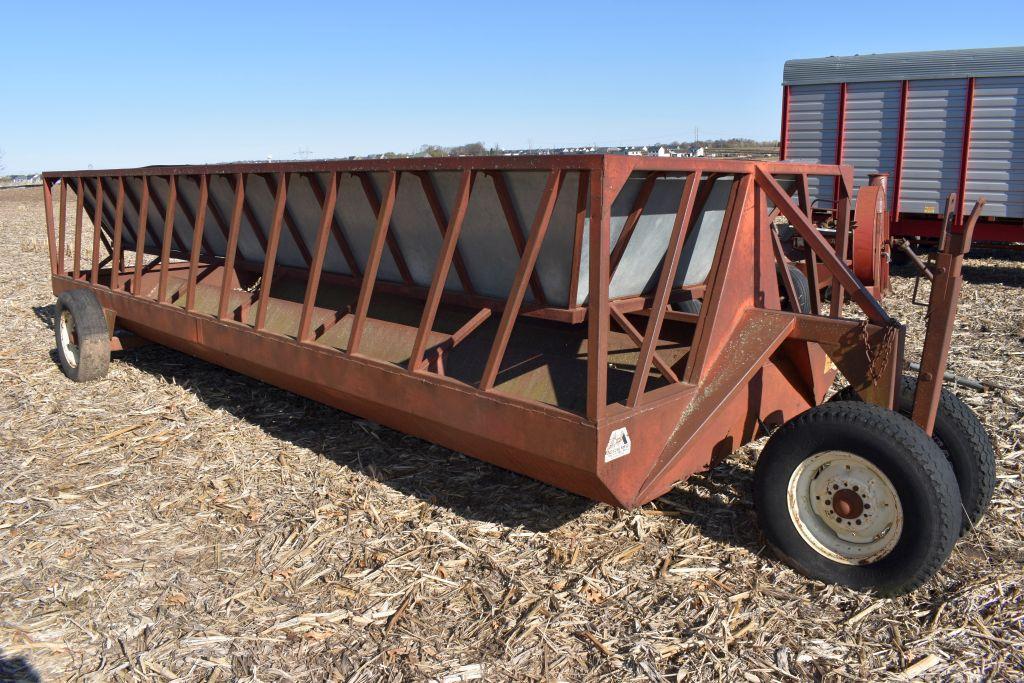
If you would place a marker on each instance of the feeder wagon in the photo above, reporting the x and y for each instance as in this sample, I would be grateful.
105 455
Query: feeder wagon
934 123
606 324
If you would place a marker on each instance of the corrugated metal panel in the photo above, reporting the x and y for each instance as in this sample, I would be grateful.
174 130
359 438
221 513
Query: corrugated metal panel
872 128
995 167
811 135
933 144
1003 61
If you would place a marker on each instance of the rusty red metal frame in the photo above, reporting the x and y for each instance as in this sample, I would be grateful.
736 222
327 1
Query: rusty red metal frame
232 246
336 228
515 229
317 265
375 204
942 305
777 355
199 221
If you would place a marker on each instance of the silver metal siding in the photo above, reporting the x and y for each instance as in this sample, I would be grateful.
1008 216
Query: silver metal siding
900 66
811 132
933 144
872 129
995 166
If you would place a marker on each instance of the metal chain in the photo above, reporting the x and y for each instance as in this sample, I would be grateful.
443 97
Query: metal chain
876 363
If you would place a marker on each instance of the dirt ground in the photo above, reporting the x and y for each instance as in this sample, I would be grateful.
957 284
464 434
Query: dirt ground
176 521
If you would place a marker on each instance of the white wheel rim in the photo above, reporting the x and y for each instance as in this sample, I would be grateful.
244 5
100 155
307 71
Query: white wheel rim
845 507
68 345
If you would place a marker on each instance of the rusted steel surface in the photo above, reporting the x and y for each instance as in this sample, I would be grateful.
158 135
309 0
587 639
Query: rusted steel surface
514 308
945 296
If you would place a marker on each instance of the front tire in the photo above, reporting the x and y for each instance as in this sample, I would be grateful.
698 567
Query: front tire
854 494
82 336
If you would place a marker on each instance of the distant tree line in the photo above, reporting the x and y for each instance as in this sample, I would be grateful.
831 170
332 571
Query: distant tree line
480 149
724 143
475 149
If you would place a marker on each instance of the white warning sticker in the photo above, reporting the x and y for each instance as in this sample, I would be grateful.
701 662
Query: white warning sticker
618 445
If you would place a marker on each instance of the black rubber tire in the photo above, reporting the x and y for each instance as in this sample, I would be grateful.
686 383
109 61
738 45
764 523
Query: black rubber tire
688 306
918 470
800 284
92 335
898 258
963 439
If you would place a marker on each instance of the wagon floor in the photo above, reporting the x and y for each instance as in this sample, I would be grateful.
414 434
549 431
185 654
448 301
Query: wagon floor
545 361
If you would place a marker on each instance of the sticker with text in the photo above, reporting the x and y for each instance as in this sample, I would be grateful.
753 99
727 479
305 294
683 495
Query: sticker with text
618 445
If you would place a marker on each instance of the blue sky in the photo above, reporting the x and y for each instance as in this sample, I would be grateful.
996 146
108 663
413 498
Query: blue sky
125 84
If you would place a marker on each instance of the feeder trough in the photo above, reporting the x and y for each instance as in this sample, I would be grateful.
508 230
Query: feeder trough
606 324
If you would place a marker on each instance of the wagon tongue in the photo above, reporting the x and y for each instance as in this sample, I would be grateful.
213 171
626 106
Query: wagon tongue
942 305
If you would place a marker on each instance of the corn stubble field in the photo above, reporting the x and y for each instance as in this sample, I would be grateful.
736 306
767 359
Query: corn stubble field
176 521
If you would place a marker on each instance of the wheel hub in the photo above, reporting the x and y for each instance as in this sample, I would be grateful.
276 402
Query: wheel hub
847 503
845 507
68 337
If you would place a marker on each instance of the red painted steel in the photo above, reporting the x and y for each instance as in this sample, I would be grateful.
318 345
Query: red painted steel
316 267
1006 231
199 231
784 133
942 305
681 390
373 261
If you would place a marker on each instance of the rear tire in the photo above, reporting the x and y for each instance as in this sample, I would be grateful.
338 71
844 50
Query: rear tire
854 494
82 336
800 284
962 438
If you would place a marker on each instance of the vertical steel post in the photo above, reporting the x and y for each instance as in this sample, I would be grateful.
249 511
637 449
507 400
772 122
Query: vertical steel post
199 227
140 237
316 268
582 191
51 242
373 262
79 203
669 266
522 278
515 227
784 133
97 223
115 249
430 192
445 256
62 228
228 278
942 306
165 245
273 242
375 204
597 304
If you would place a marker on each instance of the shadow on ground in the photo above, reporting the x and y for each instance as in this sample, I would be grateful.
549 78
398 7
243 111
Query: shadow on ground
17 670
45 314
470 488
717 502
